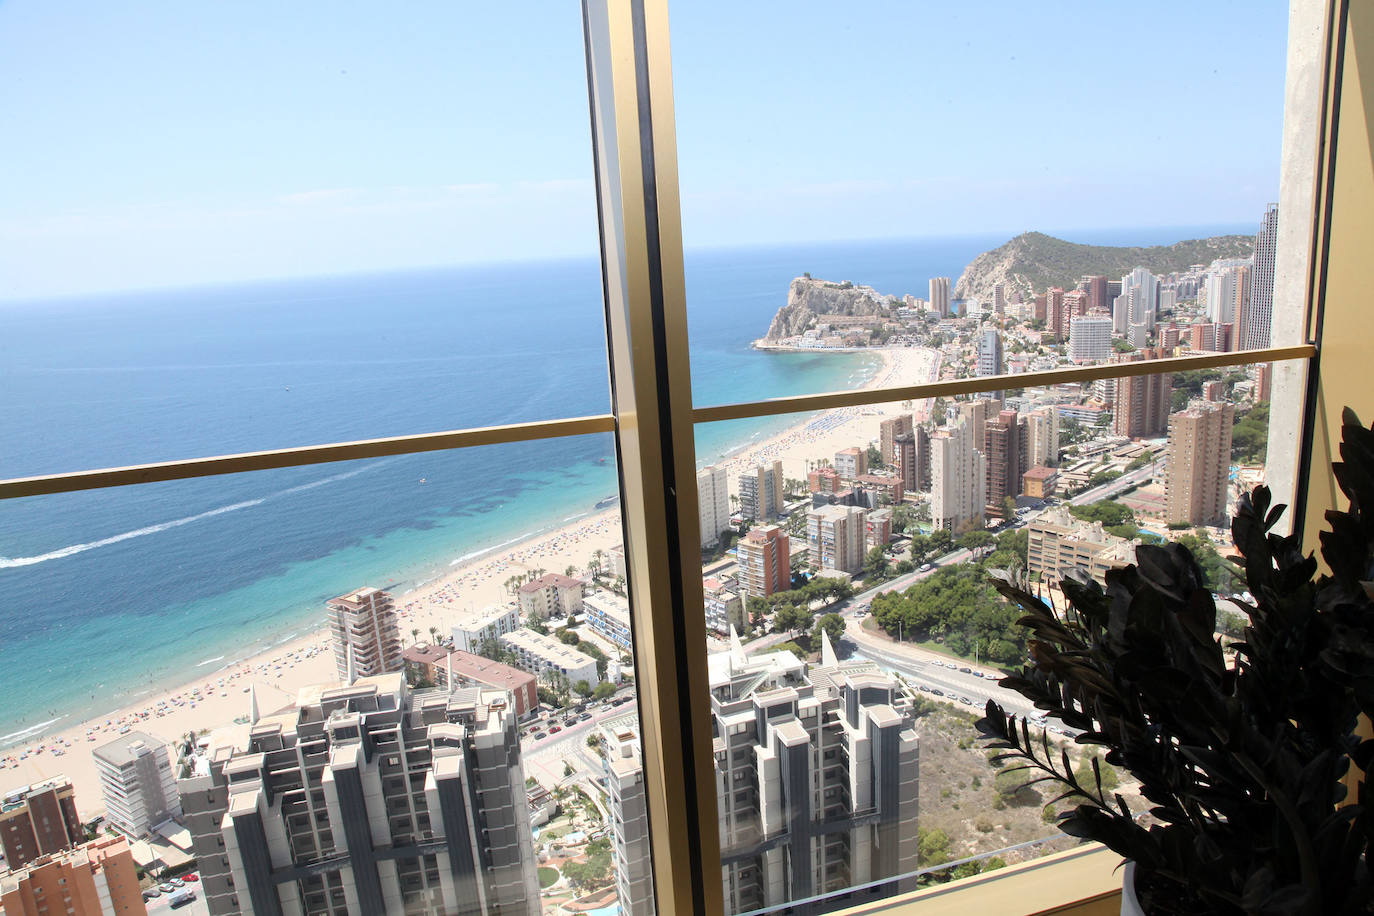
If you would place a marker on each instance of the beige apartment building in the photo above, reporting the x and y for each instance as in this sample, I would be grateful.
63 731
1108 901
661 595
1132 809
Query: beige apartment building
764 562
551 595
98 878
363 631
1199 464
835 535
1057 543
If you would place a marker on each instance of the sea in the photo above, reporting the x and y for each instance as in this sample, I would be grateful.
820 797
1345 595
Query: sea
111 595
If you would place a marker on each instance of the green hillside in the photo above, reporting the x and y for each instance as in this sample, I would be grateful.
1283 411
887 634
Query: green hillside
1036 261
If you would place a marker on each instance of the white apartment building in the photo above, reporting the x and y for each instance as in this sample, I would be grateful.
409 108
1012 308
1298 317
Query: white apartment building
608 615
551 595
546 657
137 783
713 503
472 630
1090 338
958 479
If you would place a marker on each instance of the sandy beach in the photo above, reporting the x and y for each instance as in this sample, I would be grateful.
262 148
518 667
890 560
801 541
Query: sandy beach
215 699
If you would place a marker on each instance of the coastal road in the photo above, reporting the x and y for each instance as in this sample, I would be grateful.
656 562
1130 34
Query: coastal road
1113 487
548 755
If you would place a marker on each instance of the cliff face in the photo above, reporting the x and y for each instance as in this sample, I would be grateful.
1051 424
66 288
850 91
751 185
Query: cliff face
807 298
1033 262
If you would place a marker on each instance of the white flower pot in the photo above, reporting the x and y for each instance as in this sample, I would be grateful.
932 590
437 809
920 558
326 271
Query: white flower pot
1130 904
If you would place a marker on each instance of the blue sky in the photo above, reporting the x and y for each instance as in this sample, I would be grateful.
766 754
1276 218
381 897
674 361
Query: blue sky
163 144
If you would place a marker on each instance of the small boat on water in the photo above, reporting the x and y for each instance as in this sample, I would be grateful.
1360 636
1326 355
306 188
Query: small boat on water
608 501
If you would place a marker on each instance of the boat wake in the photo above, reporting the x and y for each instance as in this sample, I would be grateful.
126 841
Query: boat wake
74 549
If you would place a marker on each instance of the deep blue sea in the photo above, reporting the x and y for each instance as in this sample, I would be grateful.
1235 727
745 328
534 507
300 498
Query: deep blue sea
112 594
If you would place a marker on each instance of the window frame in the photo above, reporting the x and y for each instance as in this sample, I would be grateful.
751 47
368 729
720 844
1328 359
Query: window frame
653 418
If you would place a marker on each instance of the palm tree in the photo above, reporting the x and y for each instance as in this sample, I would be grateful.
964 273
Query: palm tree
571 571
434 635
415 635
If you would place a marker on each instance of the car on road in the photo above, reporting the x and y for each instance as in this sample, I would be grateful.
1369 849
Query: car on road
151 892
618 700
585 717
937 691
192 877
540 736
606 707
966 701
166 888
555 729
570 721
923 688
177 882
965 670
925 567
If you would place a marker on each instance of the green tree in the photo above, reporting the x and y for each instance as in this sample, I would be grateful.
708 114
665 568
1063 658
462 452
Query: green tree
1104 511
1084 773
582 688
1011 788
1220 575
568 636
876 562
1250 435
791 619
832 625
875 458
932 847
604 691
974 541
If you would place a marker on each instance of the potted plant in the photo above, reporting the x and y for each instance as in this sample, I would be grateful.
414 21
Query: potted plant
1244 761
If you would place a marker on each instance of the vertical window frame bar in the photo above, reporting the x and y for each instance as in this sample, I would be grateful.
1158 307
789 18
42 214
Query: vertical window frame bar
634 142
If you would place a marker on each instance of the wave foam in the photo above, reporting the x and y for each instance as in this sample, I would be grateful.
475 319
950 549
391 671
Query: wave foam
23 733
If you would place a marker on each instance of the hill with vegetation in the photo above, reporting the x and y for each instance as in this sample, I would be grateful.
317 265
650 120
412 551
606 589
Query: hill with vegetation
1033 262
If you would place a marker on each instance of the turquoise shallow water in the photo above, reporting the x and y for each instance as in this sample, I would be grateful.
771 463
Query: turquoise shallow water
112 594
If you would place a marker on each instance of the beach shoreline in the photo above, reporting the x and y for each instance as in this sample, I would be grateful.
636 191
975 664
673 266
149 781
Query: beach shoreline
216 698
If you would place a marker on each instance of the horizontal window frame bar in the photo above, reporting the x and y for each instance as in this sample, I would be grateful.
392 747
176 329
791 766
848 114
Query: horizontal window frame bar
864 397
302 456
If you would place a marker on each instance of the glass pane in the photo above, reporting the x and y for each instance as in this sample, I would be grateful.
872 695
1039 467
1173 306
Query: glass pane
223 618
235 234
849 555
856 201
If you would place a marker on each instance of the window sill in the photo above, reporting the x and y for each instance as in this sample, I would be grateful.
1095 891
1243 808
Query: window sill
1085 881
